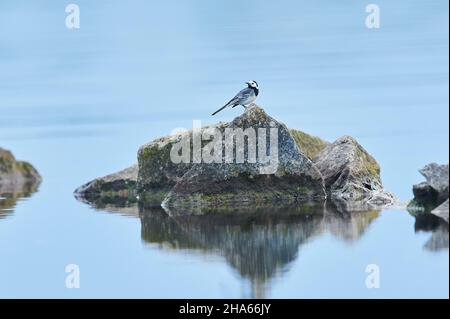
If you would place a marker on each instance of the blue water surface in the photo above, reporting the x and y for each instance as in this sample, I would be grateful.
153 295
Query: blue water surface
78 103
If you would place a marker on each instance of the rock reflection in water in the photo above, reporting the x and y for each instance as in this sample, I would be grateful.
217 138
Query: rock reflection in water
348 224
259 243
10 196
438 228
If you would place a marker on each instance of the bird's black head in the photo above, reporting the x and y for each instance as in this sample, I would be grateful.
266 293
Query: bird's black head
252 84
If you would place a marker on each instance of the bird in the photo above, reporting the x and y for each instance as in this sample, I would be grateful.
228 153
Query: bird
244 97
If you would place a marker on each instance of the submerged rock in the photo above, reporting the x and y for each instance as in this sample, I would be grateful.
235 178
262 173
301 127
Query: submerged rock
351 174
289 176
16 176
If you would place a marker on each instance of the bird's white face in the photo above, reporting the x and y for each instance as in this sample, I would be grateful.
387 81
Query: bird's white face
252 84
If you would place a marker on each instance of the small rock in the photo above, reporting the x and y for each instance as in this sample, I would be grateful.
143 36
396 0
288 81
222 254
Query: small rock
16 176
433 192
424 191
437 177
113 187
351 174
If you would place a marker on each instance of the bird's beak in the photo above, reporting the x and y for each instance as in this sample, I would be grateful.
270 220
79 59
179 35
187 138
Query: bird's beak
248 83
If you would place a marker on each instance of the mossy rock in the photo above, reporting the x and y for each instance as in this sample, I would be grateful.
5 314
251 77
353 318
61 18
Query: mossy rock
293 178
309 144
307 165
351 173
114 188
16 175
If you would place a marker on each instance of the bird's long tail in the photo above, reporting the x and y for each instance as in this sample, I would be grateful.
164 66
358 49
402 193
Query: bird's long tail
233 101
219 110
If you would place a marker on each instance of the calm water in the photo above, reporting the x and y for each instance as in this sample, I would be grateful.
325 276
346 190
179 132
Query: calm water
79 103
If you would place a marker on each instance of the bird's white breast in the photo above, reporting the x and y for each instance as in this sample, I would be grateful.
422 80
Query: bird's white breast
248 100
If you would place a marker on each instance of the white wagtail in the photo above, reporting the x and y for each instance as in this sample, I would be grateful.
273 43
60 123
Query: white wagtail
244 97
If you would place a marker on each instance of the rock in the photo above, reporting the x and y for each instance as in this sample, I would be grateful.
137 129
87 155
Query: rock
433 192
442 211
310 145
424 191
291 177
113 188
426 198
157 172
437 177
16 176
351 174
17 180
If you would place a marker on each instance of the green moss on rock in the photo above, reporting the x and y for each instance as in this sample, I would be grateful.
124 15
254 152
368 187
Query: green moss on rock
14 175
156 169
310 145
351 173
120 186
344 167
368 163
152 198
